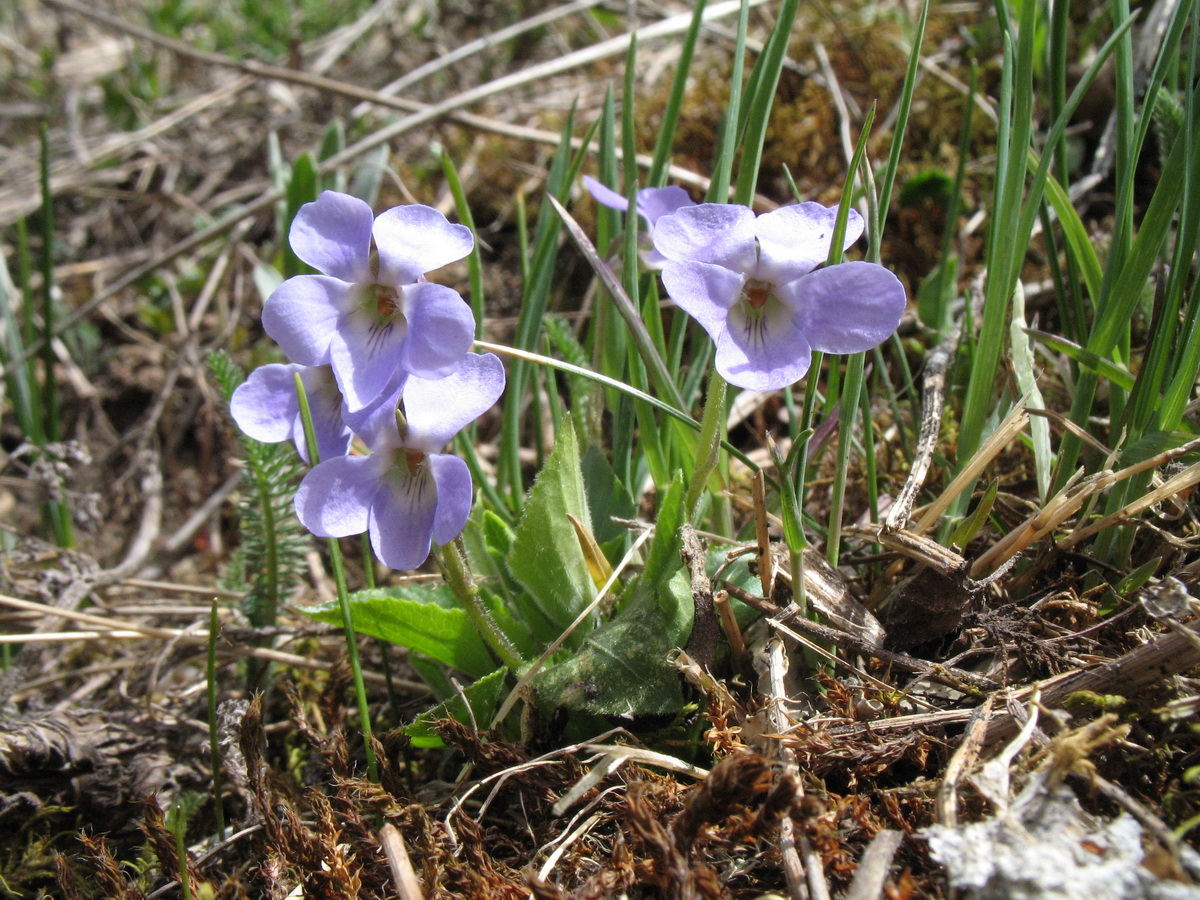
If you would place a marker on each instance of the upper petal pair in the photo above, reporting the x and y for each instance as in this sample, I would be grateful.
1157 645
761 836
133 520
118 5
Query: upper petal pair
333 235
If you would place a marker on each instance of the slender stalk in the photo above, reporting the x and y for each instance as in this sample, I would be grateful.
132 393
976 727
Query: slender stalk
56 510
185 884
791 516
453 560
368 555
712 430
50 408
214 751
851 387
338 567
847 410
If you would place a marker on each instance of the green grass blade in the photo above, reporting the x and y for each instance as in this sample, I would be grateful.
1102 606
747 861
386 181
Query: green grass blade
475 260
765 85
893 163
670 118
718 189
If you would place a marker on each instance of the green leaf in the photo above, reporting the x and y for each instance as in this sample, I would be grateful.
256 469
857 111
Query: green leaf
422 619
937 290
623 668
663 560
497 536
483 696
1136 579
333 141
606 496
546 557
1118 375
302 187
1075 233
1151 444
433 673
969 527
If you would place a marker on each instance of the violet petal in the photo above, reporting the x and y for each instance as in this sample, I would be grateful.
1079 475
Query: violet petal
794 240
402 514
325 403
415 239
365 353
375 423
303 312
437 409
604 195
264 406
717 233
334 499
454 493
705 292
850 307
763 352
333 234
441 328
654 203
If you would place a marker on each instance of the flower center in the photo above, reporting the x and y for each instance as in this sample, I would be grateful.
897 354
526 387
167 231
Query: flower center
386 301
757 292
413 459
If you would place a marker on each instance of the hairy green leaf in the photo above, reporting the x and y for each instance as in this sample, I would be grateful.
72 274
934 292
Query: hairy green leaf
546 557
416 618
624 667
483 695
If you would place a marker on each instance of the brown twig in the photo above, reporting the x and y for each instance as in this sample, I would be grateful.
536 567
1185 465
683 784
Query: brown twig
956 678
873 867
407 883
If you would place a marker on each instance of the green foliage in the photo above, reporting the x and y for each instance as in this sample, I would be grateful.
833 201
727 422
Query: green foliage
546 557
586 396
270 559
425 620
129 94
623 667
303 186
482 695
264 29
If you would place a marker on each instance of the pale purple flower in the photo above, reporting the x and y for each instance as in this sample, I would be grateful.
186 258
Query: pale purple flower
266 408
652 204
757 286
407 494
368 315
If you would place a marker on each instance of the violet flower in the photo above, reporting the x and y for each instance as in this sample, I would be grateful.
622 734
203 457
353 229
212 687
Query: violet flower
652 205
407 493
757 286
370 317
266 408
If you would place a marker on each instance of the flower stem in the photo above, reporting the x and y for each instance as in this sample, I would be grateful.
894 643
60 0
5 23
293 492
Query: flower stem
360 689
339 579
214 751
457 573
712 430
368 555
